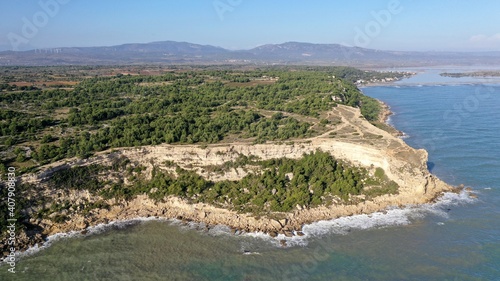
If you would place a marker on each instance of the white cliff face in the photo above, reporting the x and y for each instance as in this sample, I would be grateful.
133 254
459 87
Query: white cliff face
401 163
370 148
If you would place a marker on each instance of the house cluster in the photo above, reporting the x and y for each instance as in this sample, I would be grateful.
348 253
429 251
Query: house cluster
384 80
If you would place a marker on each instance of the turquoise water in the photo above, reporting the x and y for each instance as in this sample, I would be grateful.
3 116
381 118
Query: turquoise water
455 239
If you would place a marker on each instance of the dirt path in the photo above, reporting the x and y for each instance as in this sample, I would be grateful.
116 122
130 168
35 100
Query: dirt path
401 163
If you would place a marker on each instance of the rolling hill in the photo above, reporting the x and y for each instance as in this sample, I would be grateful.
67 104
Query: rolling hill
172 52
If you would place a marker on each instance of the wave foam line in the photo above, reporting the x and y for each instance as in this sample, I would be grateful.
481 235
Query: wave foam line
390 217
340 226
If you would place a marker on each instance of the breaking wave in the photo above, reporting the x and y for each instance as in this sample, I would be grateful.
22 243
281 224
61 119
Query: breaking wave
388 218
340 226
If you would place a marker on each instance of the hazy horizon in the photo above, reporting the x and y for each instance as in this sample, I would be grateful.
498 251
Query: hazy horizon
244 49
399 25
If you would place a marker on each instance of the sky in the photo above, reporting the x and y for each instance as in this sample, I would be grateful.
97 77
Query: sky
406 25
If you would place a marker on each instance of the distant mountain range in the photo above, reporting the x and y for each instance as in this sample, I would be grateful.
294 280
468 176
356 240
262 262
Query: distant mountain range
171 52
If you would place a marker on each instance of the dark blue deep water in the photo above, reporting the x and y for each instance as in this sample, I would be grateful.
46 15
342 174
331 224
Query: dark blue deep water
455 239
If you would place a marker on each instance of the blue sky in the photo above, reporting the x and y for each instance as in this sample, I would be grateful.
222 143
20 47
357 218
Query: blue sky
419 25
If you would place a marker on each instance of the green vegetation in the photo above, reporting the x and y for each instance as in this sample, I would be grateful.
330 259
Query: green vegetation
380 184
53 113
285 183
313 180
190 106
22 201
370 108
79 178
471 74
353 74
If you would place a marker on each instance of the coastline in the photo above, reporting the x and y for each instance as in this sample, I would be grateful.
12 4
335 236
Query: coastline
385 113
404 164
143 208
281 239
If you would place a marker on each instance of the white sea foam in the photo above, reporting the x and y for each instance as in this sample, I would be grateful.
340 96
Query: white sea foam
361 222
93 230
219 230
276 241
404 136
340 226
387 218
390 217
389 120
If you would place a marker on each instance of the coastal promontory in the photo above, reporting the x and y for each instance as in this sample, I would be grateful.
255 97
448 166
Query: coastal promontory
264 150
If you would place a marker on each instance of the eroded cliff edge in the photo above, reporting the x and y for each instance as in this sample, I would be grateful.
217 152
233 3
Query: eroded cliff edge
356 141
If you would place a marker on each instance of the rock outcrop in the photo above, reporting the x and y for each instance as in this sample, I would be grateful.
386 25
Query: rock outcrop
368 147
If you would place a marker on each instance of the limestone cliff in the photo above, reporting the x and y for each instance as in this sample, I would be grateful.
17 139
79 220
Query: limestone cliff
356 141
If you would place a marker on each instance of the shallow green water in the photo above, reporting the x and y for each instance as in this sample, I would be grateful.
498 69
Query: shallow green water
160 251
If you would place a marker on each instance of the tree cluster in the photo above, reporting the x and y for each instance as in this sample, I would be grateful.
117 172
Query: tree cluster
198 106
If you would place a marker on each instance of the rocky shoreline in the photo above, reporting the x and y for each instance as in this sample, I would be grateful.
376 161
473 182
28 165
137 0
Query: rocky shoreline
402 164
384 118
175 208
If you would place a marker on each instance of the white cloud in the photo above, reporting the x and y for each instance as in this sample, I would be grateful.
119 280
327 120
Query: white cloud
481 38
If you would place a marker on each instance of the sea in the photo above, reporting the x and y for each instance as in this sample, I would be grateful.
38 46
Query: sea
457 120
